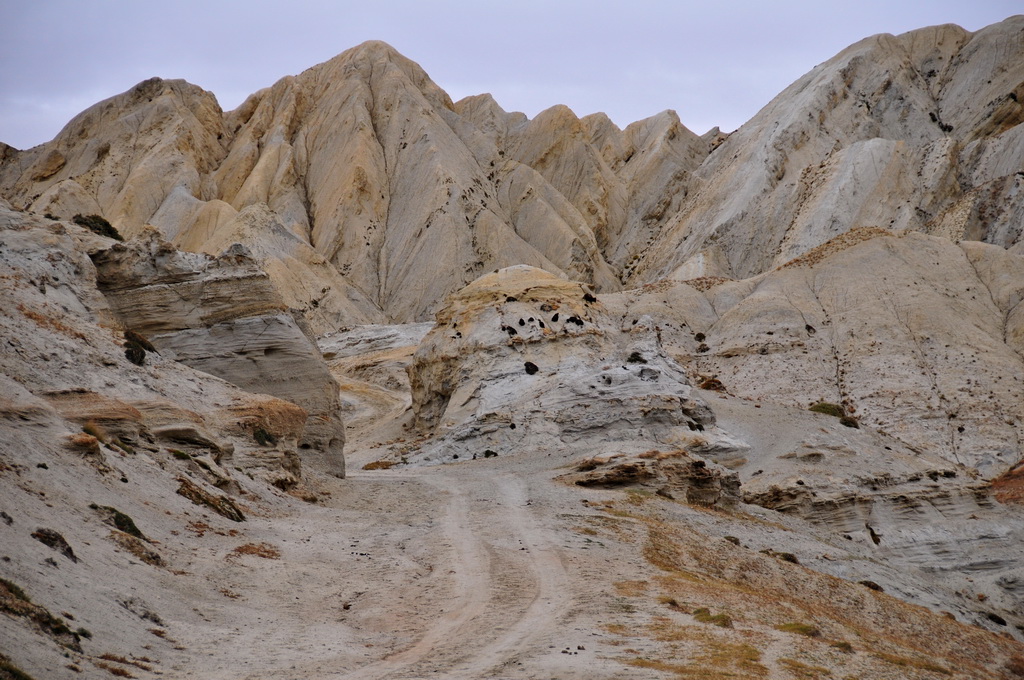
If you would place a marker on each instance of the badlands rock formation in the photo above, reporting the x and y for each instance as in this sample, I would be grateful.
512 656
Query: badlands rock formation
919 131
619 403
224 317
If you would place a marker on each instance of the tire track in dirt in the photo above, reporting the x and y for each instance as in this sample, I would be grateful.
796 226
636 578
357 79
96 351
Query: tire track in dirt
508 587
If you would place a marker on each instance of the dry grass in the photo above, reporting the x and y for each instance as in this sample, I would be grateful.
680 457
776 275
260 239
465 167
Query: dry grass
905 662
837 245
804 629
771 593
631 588
705 283
802 671
704 615
380 465
128 662
116 671
264 550
48 323
714 661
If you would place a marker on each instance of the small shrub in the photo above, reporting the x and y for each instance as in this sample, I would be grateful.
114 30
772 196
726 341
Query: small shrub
872 585
669 602
135 354
16 592
92 428
843 646
380 465
97 225
131 336
179 454
636 358
799 629
712 383
834 410
53 539
784 556
264 550
118 520
850 421
9 670
705 616
83 632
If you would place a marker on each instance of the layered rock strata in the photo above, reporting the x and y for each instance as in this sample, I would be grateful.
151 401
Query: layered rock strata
222 315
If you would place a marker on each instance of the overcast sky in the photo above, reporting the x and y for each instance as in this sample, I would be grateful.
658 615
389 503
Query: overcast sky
716 63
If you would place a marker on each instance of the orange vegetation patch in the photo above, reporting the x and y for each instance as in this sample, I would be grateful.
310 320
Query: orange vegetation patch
1009 487
264 550
50 324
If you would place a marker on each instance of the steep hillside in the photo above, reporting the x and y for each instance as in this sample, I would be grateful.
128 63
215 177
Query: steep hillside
920 131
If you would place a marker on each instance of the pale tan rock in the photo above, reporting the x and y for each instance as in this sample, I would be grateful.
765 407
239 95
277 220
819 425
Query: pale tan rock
913 335
918 131
223 316
521 359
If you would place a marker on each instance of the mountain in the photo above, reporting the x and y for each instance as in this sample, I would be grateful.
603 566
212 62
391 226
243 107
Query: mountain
614 403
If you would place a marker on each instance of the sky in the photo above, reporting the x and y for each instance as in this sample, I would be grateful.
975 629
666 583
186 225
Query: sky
715 63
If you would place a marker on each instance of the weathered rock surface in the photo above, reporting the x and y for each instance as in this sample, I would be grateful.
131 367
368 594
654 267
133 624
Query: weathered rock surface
223 316
521 360
64 369
672 474
918 131
903 331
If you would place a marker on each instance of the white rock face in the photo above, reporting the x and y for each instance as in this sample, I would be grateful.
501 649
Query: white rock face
223 316
919 131
522 360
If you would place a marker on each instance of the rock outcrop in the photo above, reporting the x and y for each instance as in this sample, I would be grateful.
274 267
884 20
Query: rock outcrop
521 360
222 315
67 380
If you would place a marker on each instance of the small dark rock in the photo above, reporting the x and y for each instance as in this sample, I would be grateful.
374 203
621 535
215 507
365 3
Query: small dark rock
530 367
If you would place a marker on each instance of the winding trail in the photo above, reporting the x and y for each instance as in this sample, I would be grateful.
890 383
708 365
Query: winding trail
508 585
